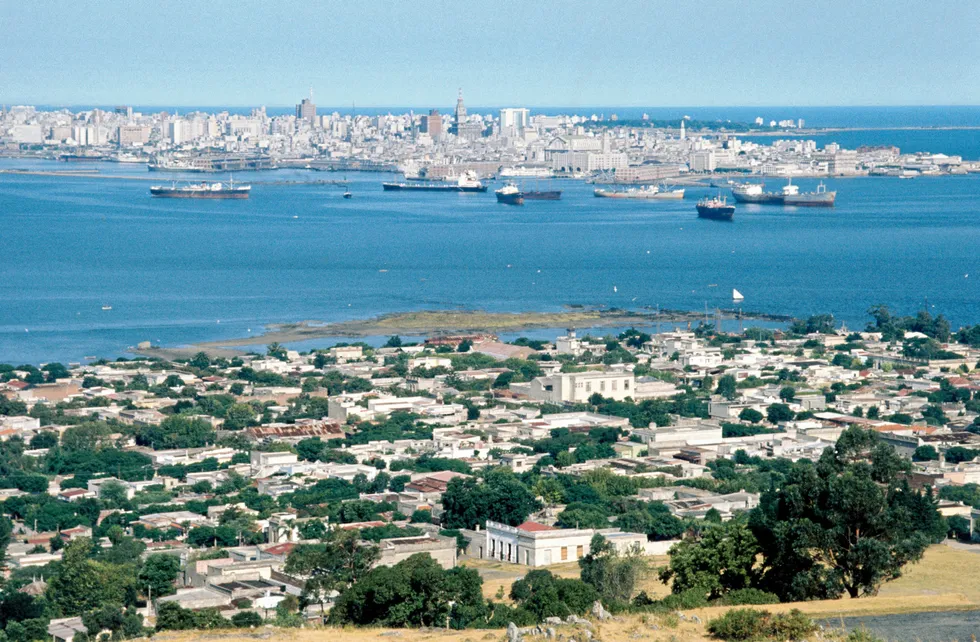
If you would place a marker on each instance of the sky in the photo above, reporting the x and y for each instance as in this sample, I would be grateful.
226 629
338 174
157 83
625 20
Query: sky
530 53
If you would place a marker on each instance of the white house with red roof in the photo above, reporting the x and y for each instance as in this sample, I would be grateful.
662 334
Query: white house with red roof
534 544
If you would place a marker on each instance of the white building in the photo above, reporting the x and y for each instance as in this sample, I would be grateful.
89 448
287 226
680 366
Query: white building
577 387
533 544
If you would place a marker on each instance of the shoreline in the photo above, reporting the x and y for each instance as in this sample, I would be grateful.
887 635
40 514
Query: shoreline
443 322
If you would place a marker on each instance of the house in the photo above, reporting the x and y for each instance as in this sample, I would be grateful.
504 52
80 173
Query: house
65 629
534 544
441 549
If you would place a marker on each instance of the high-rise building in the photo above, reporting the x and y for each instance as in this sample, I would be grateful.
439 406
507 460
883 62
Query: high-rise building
306 110
514 120
432 124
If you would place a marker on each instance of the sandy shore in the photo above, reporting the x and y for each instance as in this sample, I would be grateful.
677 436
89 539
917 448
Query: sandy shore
434 323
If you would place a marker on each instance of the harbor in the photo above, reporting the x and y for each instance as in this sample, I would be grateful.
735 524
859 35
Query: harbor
376 253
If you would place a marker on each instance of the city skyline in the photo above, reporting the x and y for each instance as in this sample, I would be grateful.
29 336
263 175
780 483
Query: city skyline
548 54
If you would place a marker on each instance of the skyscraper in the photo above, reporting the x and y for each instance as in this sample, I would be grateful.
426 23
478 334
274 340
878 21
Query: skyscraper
306 109
432 124
460 116
514 120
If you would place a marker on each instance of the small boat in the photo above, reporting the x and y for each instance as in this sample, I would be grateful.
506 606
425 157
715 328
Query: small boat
106 307
737 296
347 194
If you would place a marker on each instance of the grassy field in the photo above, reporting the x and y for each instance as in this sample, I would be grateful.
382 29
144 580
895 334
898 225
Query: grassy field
945 580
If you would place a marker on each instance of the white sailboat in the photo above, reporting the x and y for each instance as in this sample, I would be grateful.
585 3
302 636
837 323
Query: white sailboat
737 296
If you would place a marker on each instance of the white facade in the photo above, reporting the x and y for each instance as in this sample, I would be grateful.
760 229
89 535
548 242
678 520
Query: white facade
534 545
577 387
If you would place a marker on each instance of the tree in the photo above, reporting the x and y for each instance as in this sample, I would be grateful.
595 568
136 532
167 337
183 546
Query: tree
158 574
545 595
727 387
176 432
501 498
787 394
79 586
614 576
779 412
114 492
925 453
421 516
334 565
414 592
751 415
238 416
846 524
722 560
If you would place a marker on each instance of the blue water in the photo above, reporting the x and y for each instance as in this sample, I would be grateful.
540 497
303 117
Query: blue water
177 272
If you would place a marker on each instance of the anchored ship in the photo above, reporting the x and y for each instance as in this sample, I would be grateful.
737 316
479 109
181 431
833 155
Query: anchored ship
201 190
790 195
819 198
510 195
543 195
716 208
468 182
648 192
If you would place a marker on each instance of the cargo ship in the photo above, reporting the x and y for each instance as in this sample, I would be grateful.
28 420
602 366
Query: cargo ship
510 195
790 195
819 198
753 193
201 190
543 195
651 192
716 208
468 182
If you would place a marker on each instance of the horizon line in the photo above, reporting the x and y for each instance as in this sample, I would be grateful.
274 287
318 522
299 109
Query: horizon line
527 106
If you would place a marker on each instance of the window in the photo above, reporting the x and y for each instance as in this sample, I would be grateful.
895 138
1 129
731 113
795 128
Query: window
602 386
580 551
626 384
564 553
614 383
588 386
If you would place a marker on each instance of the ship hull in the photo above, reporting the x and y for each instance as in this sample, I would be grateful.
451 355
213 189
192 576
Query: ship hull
550 195
824 199
641 196
723 213
172 193
759 199
510 199
403 187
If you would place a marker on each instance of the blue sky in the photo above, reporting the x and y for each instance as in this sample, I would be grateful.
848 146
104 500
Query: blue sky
548 52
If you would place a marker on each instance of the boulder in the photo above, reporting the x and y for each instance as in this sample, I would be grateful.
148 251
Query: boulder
599 612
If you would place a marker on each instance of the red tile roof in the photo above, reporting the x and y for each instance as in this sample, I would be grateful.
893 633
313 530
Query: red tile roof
533 527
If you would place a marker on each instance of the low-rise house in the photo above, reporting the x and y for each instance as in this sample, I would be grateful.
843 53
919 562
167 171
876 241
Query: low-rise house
534 544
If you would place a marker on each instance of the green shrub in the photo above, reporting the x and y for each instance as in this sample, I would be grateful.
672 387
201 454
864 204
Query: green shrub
246 619
739 624
794 625
755 624
692 598
748 596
